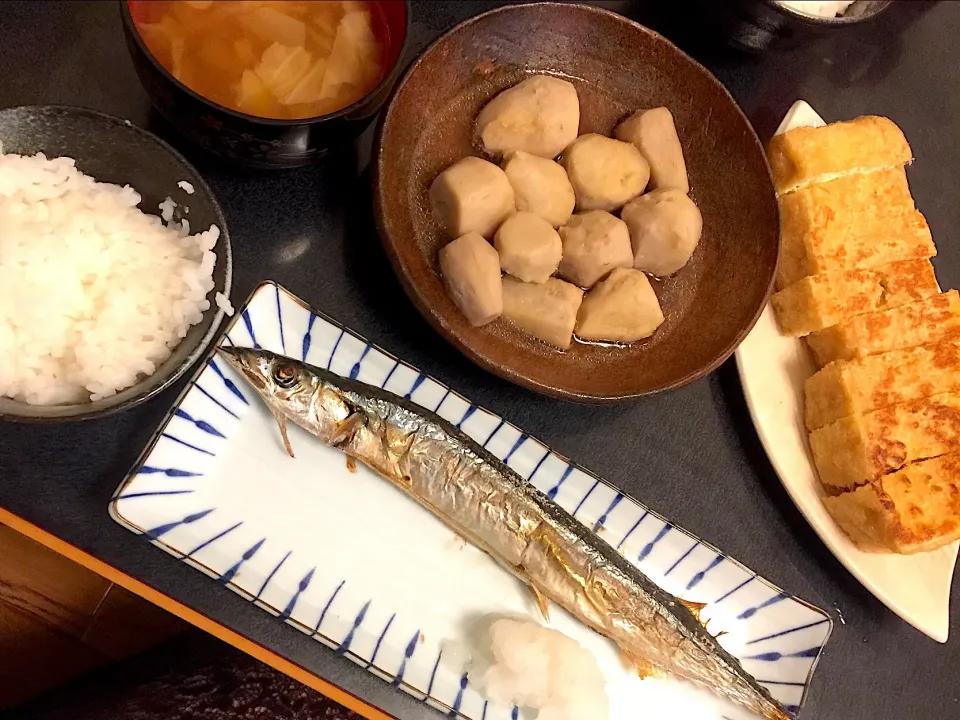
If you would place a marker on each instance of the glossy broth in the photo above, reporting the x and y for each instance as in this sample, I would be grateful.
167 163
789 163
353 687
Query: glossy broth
274 59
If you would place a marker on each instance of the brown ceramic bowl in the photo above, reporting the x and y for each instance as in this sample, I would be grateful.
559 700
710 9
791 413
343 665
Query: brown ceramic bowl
617 66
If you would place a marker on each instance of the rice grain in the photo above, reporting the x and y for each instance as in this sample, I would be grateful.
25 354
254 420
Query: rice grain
94 293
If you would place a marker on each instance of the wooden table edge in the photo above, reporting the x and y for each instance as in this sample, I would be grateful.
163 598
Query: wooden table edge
194 617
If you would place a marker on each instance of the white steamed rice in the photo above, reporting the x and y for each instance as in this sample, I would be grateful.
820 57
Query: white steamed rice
94 293
223 302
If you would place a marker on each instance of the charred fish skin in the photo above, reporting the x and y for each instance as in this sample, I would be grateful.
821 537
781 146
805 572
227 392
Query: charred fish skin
478 496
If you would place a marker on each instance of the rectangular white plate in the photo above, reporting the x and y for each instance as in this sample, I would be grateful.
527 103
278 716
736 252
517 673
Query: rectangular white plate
773 368
349 560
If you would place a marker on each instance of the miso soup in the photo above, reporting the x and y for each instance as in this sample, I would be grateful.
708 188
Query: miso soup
274 59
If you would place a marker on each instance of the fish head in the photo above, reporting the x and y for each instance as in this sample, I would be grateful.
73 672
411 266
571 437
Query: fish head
291 389
285 384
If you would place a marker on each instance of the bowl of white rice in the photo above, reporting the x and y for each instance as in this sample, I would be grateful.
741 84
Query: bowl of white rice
115 264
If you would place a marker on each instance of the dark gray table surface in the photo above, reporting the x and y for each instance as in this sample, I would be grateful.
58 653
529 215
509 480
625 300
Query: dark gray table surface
692 454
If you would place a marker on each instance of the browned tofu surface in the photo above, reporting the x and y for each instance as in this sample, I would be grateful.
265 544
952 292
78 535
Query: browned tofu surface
816 222
920 323
869 242
819 301
846 198
807 155
858 386
915 509
860 448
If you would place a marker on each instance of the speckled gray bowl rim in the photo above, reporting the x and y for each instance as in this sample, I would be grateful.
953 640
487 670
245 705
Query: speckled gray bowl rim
879 6
159 381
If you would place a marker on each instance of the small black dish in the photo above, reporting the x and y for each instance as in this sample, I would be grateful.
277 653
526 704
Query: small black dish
759 25
264 142
113 150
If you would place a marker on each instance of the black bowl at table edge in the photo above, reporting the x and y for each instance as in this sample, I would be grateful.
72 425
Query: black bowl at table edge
203 340
759 25
262 143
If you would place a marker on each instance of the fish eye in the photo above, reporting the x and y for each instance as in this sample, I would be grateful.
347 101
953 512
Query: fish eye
285 376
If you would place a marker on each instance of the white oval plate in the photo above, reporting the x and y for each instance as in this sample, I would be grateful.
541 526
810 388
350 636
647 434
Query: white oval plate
773 368
351 562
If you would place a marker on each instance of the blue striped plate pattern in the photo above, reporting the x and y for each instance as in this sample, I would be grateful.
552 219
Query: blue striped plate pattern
344 557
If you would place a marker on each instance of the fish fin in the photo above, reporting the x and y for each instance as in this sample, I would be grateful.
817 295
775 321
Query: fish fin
347 428
645 669
695 609
542 603
282 423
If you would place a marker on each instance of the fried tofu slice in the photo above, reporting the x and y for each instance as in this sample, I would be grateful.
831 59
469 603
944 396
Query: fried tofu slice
806 155
920 323
861 448
869 242
916 509
859 220
819 301
859 386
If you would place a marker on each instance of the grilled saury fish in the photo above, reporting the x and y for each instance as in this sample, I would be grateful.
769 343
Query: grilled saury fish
486 502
